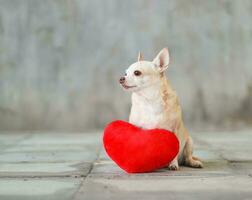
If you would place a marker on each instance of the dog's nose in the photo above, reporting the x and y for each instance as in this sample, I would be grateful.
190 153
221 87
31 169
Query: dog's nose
122 80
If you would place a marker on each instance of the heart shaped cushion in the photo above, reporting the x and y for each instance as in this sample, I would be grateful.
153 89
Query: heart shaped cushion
138 150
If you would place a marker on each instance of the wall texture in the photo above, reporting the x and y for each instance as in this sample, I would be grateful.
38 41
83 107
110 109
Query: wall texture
60 59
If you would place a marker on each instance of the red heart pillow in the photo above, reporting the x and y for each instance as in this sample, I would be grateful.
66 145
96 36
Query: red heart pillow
138 150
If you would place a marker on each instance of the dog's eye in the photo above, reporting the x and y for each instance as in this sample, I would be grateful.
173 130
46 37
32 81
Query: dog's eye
137 73
125 74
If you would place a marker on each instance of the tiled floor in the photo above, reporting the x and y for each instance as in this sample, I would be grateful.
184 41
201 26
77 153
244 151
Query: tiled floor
74 166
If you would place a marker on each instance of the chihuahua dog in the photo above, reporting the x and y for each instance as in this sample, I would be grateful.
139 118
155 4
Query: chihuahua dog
155 104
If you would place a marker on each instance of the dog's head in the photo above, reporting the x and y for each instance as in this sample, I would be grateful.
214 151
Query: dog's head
144 74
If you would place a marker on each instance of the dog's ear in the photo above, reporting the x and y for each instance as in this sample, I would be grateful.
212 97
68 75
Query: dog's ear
140 56
162 60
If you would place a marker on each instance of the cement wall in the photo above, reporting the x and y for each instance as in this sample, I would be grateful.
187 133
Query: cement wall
60 59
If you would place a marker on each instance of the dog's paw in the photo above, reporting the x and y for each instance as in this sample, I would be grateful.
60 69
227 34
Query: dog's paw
196 164
173 167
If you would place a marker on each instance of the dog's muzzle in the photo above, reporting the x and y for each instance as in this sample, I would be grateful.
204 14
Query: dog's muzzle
122 80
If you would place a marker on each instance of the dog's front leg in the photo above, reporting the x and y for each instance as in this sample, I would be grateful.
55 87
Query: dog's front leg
174 164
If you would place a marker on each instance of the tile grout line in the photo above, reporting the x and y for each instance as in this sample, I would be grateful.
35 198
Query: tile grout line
89 171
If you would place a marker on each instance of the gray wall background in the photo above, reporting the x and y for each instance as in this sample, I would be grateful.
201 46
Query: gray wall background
60 60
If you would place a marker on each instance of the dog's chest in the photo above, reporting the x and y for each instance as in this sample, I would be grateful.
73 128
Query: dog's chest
146 114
